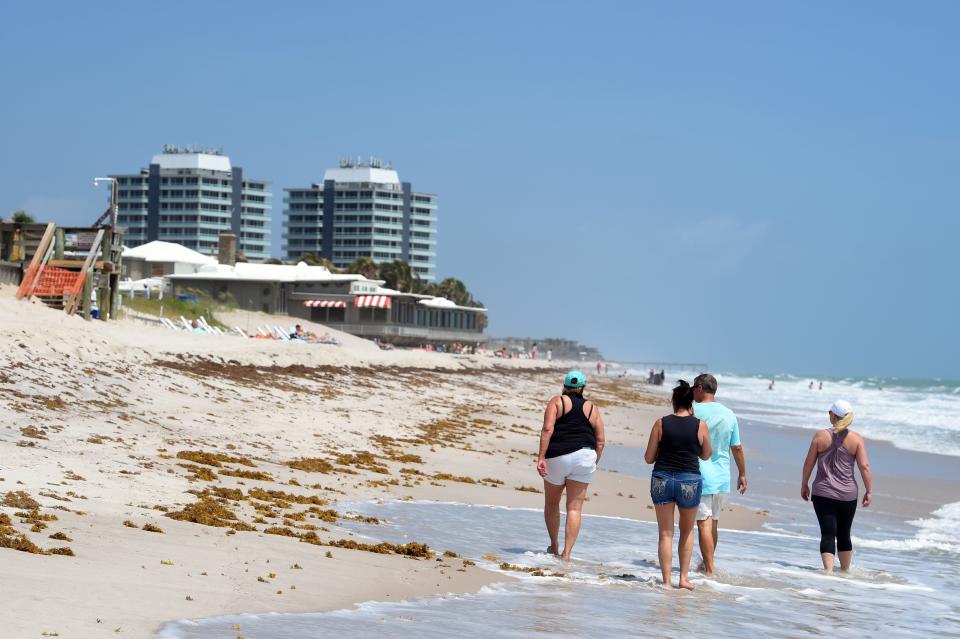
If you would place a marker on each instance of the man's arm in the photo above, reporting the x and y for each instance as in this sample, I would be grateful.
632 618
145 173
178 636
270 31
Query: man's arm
741 467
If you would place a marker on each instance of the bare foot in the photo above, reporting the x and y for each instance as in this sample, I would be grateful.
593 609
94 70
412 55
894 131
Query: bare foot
565 556
684 583
666 585
552 550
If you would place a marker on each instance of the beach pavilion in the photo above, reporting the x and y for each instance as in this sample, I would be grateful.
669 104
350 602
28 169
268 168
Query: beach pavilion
345 301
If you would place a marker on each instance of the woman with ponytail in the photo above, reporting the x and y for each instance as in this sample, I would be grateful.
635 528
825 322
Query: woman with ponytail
677 444
834 451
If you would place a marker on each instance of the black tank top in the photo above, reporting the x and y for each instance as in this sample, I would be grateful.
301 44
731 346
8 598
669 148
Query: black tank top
679 449
572 430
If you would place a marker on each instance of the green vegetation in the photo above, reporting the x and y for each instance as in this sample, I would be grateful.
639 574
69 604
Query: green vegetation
172 308
22 217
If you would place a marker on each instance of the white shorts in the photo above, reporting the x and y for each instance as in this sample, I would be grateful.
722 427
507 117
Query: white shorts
578 466
711 505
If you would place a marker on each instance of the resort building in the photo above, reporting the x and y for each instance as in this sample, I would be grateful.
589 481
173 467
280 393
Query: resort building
346 302
362 209
156 259
189 195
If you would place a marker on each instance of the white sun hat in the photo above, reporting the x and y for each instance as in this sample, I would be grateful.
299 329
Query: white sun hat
841 407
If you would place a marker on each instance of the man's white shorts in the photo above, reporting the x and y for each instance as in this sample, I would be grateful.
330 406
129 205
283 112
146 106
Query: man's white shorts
578 466
711 505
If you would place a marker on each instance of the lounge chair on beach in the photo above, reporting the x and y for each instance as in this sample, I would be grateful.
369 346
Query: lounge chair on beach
280 334
186 324
168 324
239 331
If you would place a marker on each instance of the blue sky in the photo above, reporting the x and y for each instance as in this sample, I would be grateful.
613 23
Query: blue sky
767 187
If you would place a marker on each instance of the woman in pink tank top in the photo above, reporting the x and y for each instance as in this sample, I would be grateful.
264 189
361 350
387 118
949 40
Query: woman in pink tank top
834 452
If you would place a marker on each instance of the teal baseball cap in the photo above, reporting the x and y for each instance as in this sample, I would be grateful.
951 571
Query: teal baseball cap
575 379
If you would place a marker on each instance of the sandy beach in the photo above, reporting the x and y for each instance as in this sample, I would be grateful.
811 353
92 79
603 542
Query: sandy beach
237 453
149 475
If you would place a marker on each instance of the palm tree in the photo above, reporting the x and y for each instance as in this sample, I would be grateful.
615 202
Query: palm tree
455 291
364 265
399 276
312 259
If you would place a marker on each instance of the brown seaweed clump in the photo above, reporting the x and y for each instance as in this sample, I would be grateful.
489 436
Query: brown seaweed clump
363 460
213 459
411 549
19 542
311 465
246 474
282 499
201 473
20 499
209 512
152 528
456 478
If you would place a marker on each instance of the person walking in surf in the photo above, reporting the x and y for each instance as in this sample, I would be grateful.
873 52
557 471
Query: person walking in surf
571 443
834 451
677 443
724 440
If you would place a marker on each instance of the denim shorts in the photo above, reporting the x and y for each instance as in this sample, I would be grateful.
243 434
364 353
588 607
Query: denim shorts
682 489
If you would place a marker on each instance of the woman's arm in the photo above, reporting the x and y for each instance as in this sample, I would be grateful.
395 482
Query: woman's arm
808 468
549 420
597 424
654 443
864 463
706 446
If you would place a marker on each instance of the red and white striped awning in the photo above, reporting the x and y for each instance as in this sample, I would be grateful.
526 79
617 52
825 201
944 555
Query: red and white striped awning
325 304
376 301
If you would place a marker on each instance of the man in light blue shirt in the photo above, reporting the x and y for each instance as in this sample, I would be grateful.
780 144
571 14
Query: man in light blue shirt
725 439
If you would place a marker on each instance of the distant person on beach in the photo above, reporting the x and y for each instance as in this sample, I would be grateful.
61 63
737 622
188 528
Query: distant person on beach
599 367
724 440
834 451
677 444
770 387
549 355
571 443
821 386
811 385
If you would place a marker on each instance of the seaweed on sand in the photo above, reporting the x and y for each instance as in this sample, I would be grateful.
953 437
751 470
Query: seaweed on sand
209 512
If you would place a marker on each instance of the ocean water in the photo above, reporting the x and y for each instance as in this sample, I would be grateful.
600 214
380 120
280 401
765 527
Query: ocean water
767 585
920 415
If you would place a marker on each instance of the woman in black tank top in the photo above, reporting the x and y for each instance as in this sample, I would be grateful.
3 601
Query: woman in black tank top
571 443
677 444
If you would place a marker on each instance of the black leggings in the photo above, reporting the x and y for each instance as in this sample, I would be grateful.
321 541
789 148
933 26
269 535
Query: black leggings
836 519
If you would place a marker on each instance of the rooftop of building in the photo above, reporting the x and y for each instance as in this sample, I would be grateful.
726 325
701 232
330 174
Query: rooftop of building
250 271
158 251
192 157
